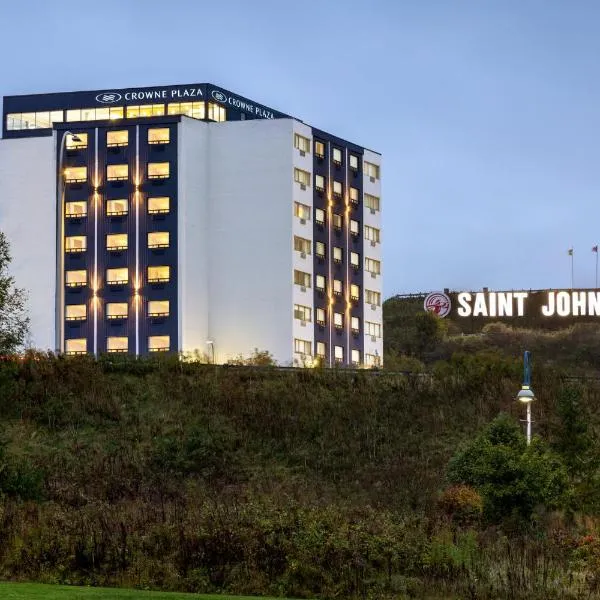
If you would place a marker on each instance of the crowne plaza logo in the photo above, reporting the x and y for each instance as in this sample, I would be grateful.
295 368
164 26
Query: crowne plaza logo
108 97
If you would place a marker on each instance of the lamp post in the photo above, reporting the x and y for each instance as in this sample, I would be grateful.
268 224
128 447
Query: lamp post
60 240
526 394
211 343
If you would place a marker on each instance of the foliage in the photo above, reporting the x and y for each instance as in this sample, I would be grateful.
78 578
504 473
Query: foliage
462 504
258 358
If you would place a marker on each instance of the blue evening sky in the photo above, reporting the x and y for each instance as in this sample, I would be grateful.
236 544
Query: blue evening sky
487 113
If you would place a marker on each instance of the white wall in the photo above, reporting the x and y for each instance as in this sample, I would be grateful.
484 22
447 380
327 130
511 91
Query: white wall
28 218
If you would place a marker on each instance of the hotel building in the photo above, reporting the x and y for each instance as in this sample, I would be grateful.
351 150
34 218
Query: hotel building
190 219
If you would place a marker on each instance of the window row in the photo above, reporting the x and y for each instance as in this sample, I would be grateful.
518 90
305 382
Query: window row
117 241
304 178
120 172
156 343
119 138
117 276
156 205
304 314
116 310
304 348
304 280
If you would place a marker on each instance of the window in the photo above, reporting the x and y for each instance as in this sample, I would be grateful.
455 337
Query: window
302 177
75 243
158 135
158 308
320 249
338 287
116 241
355 260
337 156
116 344
302 211
338 320
302 347
159 343
75 209
146 110
196 110
319 149
337 189
354 227
354 162
319 183
319 216
338 221
78 141
371 170
116 112
338 353
373 266
354 291
158 170
75 174
116 139
338 255
372 202
76 278
75 312
302 245
117 172
103 114
301 143
356 357
73 115
303 313
117 276
116 310
373 329
76 346
372 234
158 205
158 274
320 282
372 297
39 120
321 349
216 112
372 360
158 239
117 208
320 316
302 279
355 324
354 195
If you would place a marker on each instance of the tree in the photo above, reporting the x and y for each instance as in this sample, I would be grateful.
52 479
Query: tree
14 323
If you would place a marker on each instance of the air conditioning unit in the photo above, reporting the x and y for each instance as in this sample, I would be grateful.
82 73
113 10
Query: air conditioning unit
373 211
302 221
302 153
373 338
302 254
373 275
372 179
302 288
302 186
373 306
302 323
373 243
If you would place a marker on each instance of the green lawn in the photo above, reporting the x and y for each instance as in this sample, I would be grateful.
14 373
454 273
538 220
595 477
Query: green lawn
36 591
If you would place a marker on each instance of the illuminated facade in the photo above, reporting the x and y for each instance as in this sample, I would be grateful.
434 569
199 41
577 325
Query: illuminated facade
187 218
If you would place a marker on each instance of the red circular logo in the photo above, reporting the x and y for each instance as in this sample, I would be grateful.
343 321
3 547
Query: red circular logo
438 303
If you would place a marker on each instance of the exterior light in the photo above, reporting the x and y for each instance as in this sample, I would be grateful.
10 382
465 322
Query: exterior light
75 138
526 394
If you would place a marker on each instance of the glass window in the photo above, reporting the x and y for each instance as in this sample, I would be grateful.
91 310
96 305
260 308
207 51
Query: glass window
301 143
354 227
115 208
76 346
302 177
319 216
158 239
158 274
103 113
88 114
13 121
319 149
319 183
355 259
338 320
196 110
371 170
79 141
320 282
372 202
301 278
28 121
117 172
372 266
73 115
117 276
338 287
337 188
339 353
116 344
353 162
320 249
338 221
42 120
373 329
159 135
116 241
57 116
158 308
356 357
302 245
354 195
371 234
117 138
302 313
354 291
320 316
337 156
116 112
158 205
146 110
75 312
76 278
75 243
372 297
76 209
355 324
75 174
302 211
117 310
372 360
338 254
159 343
158 170
302 347
216 112
321 349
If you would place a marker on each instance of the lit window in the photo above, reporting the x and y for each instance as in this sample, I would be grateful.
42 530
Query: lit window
216 112
77 142
354 195
75 174
76 209
373 329
372 202
302 313
116 344
338 287
76 346
338 353
75 312
43 120
371 170
354 227
337 189
320 282
319 149
146 110
321 349
115 112
355 324
355 259
337 156
117 208
372 234
302 177
301 143
338 254
57 116
302 211
117 172
320 249
159 343
356 357
158 274
302 279
158 170
115 139
158 308
302 347
354 291
158 205
338 221
159 135
14 122
116 241
320 316
158 239
354 162
103 114
319 183
74 115
338 320
373 266
75 278
117 310
75 243
196 110
372 297
301 245
88 114
319 216
117 276
372 360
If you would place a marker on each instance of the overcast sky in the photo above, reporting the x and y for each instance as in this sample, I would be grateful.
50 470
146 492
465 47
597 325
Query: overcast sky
487 113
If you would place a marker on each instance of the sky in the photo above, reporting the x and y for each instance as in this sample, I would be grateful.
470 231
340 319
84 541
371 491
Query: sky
487 113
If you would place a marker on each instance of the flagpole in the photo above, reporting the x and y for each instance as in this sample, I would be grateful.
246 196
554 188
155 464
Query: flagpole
596 268
571 253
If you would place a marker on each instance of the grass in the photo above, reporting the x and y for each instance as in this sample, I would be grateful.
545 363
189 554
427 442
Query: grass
36 591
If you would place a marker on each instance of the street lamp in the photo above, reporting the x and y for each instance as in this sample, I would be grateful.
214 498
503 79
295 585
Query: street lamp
211 343
526 394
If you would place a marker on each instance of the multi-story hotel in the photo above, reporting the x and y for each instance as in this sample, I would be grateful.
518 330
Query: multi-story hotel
189 219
